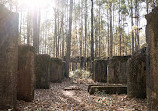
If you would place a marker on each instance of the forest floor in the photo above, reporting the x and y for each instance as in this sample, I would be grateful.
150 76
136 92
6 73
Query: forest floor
57 99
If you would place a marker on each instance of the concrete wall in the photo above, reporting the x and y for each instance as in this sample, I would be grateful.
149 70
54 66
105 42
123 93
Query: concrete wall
8 57
56 70
152 59
26 75
117 69
100 73
136 85
42 71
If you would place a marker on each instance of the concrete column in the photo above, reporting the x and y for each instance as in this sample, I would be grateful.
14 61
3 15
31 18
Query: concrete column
8 57
152 59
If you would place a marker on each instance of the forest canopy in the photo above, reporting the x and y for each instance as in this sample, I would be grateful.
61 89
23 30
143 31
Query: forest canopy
118 25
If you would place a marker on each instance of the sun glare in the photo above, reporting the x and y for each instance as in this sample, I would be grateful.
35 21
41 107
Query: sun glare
34 3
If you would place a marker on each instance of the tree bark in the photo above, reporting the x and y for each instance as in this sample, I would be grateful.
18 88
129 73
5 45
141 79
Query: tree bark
120 28
92 39
111 32
131 27
85 52
35 31
99 29
69 39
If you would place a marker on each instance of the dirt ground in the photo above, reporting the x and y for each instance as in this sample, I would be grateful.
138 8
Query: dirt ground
57 99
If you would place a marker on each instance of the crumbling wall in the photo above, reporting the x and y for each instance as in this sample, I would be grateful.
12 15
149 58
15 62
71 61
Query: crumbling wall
100 73
26 76
152 59
8 57
42 71
56 70
117 69
137 75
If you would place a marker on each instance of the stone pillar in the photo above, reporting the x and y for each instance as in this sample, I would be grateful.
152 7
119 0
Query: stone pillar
73 66
100 73
81 62
26 76
56 70
42 71
117 69
8 57
152 59
88 61
136 85
64 71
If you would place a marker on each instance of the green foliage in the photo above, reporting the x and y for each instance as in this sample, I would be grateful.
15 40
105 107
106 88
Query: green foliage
79 74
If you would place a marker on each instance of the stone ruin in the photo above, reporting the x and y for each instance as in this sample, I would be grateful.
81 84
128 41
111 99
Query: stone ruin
76 63
74 66
42 71
136 85
63 70
117 70
108 89
152 59
100 70
26 76
142 81
56 70
8 57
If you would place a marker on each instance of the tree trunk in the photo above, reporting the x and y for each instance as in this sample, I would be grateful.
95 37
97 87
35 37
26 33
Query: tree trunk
85 34
38 27
20 30
28 26
81 34
92 39
111 32
96 40
69 39
99 28
131 27
62 33
147 6
35 31
120 28
55 32
108 34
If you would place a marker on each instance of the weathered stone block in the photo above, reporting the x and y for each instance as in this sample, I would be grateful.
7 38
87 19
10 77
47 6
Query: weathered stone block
109 89
152 59
26 76
8 57
74 66
56 70
64 70
89 65
100 73
117 69
42 71
89 86
81 62
137 74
